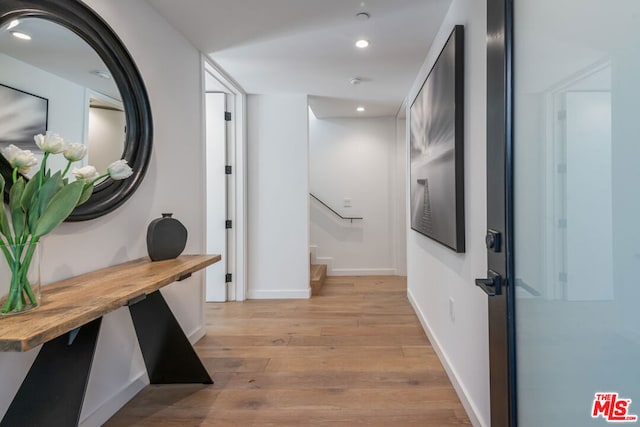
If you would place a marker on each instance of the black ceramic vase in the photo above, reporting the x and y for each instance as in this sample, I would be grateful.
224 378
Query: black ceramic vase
166 238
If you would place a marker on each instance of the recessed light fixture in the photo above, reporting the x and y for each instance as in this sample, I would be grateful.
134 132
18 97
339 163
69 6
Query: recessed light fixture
355 81
13 24
102 74
21 36
360 109
362 43
363 16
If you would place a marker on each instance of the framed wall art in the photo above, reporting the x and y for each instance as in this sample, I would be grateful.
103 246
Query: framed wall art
437 148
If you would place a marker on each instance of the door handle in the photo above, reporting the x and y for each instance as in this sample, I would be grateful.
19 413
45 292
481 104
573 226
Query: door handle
491 285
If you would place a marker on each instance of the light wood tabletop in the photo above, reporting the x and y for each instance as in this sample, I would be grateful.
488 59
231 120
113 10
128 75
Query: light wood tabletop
71 303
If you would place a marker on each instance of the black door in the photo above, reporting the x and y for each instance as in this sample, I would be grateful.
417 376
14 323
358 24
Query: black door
498 283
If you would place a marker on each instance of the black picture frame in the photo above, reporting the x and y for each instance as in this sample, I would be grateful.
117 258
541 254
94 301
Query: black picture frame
437 149
83 21
33 112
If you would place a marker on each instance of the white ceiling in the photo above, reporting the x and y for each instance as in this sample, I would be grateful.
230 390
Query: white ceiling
307 46
59 51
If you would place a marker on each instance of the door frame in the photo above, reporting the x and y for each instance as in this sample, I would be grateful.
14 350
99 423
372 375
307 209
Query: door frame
236 195
217 103
500 256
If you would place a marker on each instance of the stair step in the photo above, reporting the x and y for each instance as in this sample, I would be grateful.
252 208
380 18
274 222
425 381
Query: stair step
318 276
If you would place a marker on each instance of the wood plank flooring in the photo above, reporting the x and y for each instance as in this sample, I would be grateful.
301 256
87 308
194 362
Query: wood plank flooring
355 355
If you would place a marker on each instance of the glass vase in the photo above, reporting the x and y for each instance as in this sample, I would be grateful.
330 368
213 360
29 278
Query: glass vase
19 278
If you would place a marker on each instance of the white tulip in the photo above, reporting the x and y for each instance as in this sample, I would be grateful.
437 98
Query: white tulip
50 143
75 151
21 159
86 173
119 170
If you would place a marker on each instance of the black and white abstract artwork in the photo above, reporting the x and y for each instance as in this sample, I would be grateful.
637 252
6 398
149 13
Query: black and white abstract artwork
22 115
437 131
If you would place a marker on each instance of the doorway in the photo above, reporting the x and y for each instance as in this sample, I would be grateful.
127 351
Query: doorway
106 130
217 192
224 163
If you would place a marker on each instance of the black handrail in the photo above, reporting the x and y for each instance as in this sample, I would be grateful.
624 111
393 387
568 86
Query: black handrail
350 218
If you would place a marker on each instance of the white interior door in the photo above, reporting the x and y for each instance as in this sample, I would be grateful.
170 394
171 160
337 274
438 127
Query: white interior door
216 140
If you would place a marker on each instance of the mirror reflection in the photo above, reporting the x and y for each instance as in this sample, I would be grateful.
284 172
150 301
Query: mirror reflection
52 80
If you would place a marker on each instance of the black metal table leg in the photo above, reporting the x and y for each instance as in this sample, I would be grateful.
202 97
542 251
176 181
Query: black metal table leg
53 391
167 353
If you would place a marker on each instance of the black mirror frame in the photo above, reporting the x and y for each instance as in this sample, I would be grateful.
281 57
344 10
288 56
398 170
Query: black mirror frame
79 18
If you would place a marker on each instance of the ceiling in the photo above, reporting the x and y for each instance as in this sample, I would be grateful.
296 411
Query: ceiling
59 51
307 46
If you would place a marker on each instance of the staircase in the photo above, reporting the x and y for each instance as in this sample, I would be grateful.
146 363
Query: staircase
318 276
318 272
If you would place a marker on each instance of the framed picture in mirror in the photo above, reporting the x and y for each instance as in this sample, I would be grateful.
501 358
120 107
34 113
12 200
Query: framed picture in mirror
22 115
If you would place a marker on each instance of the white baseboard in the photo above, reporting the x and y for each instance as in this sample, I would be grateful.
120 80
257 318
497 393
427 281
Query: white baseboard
328 261
331 271
469 407
120 398
113 404
362 272
313 249
196 334
280 294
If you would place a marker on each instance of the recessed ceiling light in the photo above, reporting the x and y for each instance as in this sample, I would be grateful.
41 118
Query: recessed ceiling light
360 109
362 16
362 43
13 24
21 36
102 74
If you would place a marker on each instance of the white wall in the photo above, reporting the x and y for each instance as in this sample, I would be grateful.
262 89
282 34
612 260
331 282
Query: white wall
435 273
277 200
353 158
174 85
400 198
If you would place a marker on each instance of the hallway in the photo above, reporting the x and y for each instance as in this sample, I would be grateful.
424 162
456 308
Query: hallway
355 355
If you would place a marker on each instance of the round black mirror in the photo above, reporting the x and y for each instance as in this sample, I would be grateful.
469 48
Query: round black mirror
76 17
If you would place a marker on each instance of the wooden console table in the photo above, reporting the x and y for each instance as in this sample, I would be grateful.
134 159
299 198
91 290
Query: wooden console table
68 323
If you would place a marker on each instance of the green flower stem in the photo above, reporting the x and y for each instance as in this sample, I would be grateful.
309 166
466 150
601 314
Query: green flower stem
6 253
28 290
104 175
14 175
43 167
9 304
13 301
17 277
24 268
19 303
9 239
67 169
20 289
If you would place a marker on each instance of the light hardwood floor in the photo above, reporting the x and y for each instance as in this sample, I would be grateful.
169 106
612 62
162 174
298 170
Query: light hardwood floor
355 355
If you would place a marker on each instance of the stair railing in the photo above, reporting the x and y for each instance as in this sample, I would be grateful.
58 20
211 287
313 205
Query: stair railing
350 218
